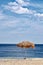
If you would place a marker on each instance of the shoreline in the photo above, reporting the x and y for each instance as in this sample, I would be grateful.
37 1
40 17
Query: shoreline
27 61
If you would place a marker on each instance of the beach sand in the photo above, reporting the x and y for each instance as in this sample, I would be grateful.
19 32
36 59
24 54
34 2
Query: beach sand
27 61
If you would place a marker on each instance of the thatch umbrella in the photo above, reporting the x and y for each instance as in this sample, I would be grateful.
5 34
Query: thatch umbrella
26 44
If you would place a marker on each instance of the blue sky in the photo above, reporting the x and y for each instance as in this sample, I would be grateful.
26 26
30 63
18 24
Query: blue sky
21 20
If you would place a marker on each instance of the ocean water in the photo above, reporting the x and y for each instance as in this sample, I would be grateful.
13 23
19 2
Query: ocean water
11 50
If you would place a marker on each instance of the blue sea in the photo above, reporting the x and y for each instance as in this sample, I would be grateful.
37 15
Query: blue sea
11 50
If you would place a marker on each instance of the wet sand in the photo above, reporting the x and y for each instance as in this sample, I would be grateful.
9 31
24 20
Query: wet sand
27 61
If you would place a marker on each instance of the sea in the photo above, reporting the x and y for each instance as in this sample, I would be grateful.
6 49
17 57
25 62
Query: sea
12 51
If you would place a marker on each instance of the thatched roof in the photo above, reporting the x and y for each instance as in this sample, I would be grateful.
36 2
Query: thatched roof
26 44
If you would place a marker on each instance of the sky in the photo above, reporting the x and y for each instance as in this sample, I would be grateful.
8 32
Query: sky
21 20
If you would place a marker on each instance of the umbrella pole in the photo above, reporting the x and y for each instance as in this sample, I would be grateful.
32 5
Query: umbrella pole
25 53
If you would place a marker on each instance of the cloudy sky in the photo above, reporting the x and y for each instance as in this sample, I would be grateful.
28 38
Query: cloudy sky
21 20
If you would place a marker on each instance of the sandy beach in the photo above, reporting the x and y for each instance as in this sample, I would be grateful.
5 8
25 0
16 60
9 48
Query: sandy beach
28 61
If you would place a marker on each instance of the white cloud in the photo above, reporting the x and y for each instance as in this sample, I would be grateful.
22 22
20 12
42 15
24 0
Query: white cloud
17 7
22 3
38 14
21 10
12 3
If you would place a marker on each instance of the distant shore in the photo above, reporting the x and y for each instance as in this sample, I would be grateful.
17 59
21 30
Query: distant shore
27 61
